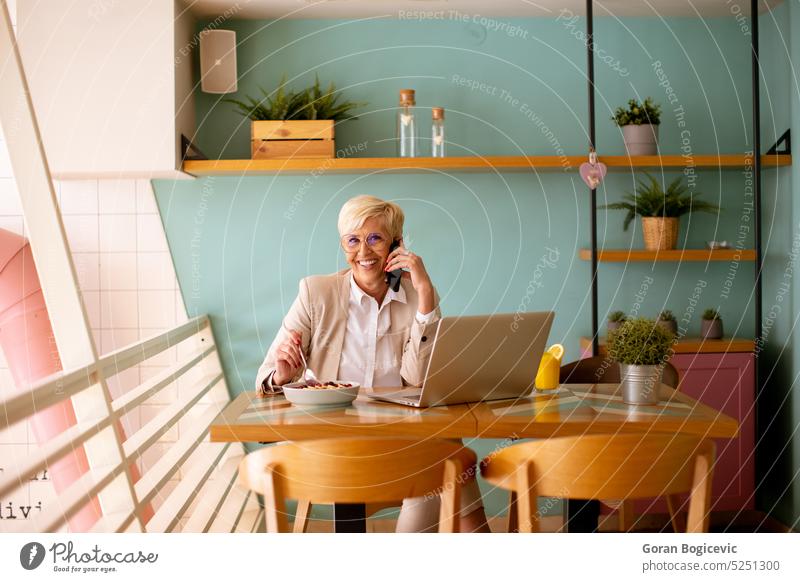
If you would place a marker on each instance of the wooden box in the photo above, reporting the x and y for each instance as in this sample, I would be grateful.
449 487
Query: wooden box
311 138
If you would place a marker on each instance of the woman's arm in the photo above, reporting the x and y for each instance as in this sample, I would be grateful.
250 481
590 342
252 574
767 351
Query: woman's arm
298 319
417 351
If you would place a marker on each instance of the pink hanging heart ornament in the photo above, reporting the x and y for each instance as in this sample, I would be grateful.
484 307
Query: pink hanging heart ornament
593 171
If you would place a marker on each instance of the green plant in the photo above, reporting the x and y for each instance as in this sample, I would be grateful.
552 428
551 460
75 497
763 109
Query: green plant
640 342
282 104
711 314
666 315
616 316
649 199
637 113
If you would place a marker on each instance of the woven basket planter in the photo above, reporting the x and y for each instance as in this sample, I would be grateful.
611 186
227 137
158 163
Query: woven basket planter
660 234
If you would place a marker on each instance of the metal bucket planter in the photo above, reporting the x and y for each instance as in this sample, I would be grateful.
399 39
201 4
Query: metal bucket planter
640 384
640 140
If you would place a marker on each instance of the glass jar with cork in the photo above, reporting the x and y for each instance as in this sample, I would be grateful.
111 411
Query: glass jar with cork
407 140
437 132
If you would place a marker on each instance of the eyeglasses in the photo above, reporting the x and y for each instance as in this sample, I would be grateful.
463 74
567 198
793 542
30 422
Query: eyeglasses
374 240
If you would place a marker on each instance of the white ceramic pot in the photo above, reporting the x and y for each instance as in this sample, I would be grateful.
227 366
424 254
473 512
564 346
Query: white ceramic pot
614 325
640 140
711 328
671 326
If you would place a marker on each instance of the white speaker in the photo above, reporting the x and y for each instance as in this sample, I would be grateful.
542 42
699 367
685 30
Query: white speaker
218 61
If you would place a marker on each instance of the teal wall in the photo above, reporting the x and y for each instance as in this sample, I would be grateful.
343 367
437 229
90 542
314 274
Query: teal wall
241 244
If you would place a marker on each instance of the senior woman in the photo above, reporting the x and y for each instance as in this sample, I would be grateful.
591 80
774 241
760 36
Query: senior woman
352 326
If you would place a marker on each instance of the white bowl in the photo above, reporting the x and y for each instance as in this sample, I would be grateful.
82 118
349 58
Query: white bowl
296 394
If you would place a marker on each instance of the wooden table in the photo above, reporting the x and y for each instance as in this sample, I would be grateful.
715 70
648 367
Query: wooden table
253 418
575 409
571 409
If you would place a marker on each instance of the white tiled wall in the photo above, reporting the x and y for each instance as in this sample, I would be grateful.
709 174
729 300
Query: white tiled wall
129 287
129 294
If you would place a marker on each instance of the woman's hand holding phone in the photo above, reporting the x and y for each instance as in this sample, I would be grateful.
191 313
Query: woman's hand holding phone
393 277
402 258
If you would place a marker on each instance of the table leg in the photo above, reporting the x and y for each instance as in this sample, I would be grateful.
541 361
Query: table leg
349 518
581 516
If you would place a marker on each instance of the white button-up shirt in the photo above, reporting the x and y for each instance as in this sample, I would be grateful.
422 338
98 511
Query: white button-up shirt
367 356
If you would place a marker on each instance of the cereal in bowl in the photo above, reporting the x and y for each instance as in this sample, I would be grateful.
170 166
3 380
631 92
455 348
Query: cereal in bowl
326 385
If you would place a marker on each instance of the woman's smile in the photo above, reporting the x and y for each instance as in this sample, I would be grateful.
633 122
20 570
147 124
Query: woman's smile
368 264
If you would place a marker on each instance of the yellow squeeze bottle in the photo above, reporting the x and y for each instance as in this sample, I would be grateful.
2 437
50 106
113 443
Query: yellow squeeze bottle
549 368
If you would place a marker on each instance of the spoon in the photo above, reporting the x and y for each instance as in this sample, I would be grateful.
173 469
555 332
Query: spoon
309 376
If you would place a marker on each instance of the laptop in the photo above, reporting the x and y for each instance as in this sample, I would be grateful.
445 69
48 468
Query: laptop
479 357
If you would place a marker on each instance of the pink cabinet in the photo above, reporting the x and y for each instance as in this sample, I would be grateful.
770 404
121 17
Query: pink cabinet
726 382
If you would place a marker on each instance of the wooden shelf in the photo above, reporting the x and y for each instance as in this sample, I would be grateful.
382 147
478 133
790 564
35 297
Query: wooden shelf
691 345
468 164
626 255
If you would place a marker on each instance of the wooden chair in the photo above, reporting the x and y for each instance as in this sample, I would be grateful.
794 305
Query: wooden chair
357 470
623 466
601 369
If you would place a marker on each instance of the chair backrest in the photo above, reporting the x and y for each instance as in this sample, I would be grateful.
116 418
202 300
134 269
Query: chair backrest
601 369
357 470
618 466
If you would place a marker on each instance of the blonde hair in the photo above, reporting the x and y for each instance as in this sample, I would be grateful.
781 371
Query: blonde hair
357 210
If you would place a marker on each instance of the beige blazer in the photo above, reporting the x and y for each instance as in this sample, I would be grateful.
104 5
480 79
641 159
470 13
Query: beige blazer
320 313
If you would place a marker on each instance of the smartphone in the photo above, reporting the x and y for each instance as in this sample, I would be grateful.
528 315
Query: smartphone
393 278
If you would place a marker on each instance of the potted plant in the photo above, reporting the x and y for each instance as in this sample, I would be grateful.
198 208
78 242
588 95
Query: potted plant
711 325
641 348
639 123
667 320
294 124
660 210
615 319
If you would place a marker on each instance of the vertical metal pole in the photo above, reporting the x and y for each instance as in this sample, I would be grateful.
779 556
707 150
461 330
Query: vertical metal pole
757 186
349 518
583 515
593 227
